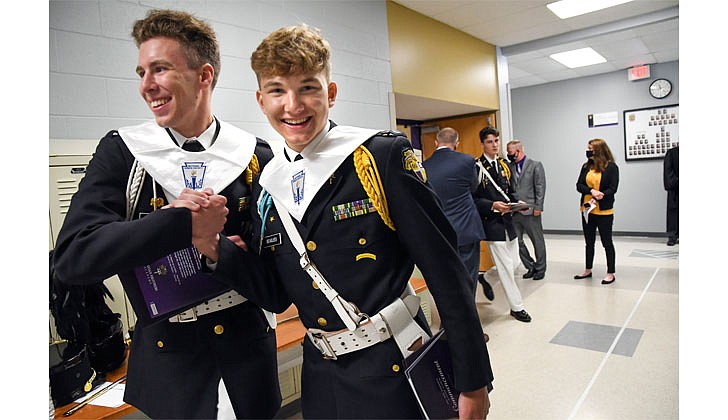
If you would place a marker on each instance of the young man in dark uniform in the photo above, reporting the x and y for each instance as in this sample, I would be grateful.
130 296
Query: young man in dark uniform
218 359
493 196
361 203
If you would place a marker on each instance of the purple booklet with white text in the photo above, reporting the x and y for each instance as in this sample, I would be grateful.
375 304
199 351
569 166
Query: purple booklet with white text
172 285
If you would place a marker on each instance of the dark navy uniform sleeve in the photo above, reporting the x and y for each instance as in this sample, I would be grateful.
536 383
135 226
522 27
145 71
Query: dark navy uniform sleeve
246 271
430 240
96 241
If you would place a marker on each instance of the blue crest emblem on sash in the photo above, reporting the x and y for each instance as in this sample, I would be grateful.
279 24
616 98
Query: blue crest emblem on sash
194 174
297 186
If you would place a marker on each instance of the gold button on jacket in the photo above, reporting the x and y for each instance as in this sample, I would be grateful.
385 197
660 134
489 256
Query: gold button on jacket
311 246
219 329
323 322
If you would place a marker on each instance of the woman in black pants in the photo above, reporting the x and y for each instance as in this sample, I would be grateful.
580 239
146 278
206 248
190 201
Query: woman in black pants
597 184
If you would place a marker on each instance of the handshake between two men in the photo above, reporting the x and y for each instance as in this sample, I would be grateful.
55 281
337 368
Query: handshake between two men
209 213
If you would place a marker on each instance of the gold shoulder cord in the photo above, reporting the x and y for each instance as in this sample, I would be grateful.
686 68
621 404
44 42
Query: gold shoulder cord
252 170
366 169
506 169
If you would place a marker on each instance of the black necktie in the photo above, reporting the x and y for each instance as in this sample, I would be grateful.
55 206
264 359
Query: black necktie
494 165
297 158
192 146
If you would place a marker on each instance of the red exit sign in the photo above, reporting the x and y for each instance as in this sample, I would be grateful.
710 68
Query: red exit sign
638 72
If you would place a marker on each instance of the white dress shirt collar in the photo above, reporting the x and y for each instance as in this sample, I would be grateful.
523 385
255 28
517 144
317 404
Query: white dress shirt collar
205 138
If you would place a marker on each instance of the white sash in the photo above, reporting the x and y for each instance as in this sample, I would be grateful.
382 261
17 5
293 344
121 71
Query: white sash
294 184
175 168
482 171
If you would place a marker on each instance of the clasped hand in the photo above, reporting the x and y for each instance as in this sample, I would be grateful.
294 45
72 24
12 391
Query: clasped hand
209 215
597 194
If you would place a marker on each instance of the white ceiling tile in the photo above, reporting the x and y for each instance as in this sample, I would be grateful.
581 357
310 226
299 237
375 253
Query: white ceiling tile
515 72
482 12
625 48
661 40
595 69
541 65
432 7
670 25
558 75
666 55
618 12
519 58
627 62
527 81
613 37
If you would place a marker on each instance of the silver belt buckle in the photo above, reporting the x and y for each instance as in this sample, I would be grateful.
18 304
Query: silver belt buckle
326 350
182 318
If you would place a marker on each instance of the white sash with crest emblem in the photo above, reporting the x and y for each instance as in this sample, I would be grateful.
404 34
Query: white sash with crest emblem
175 168
294 184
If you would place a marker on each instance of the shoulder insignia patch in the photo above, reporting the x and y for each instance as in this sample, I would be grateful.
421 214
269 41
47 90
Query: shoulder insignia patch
411 163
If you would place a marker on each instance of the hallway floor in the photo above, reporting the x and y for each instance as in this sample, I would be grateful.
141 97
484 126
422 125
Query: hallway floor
592 351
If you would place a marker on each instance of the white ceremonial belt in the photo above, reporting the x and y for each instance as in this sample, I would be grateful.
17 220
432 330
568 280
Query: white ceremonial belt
224 301
348 313
395 320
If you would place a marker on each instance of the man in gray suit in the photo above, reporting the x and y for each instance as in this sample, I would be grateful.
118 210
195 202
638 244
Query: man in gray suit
531 188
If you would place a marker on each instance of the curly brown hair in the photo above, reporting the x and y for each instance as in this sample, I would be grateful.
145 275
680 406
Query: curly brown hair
602 155
292 50
196 37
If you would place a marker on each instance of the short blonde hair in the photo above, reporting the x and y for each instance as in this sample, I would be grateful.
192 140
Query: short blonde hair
292 50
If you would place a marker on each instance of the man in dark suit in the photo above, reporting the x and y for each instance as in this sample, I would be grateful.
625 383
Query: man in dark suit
493 198
531 188
670 178
218 359
454 178
360 202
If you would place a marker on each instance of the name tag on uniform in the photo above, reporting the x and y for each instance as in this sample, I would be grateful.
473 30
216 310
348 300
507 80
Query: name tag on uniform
272 240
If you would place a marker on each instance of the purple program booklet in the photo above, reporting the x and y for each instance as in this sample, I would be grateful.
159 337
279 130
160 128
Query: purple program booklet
173 284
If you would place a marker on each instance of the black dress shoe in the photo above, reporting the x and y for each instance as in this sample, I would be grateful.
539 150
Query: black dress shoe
522 316
579 276
539 276
529 274
487 288
605 281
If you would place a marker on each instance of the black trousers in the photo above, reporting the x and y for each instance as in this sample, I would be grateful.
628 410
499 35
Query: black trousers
604 224
470 254
673 231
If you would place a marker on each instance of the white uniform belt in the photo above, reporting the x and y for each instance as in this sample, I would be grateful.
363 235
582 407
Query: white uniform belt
224 301
396 320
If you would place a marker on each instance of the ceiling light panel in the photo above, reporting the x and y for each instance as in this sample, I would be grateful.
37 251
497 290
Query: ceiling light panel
565 9
579 58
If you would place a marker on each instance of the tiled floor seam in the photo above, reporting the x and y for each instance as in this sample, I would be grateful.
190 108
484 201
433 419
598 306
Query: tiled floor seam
583 396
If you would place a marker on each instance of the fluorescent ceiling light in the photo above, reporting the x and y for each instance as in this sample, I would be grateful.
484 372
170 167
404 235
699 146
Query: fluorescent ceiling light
570 8
579 58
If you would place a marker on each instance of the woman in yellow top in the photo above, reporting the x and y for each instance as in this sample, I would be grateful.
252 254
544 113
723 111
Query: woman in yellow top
597 184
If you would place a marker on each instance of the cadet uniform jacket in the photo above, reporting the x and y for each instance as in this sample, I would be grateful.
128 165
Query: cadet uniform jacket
174 369
370 265
496 224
